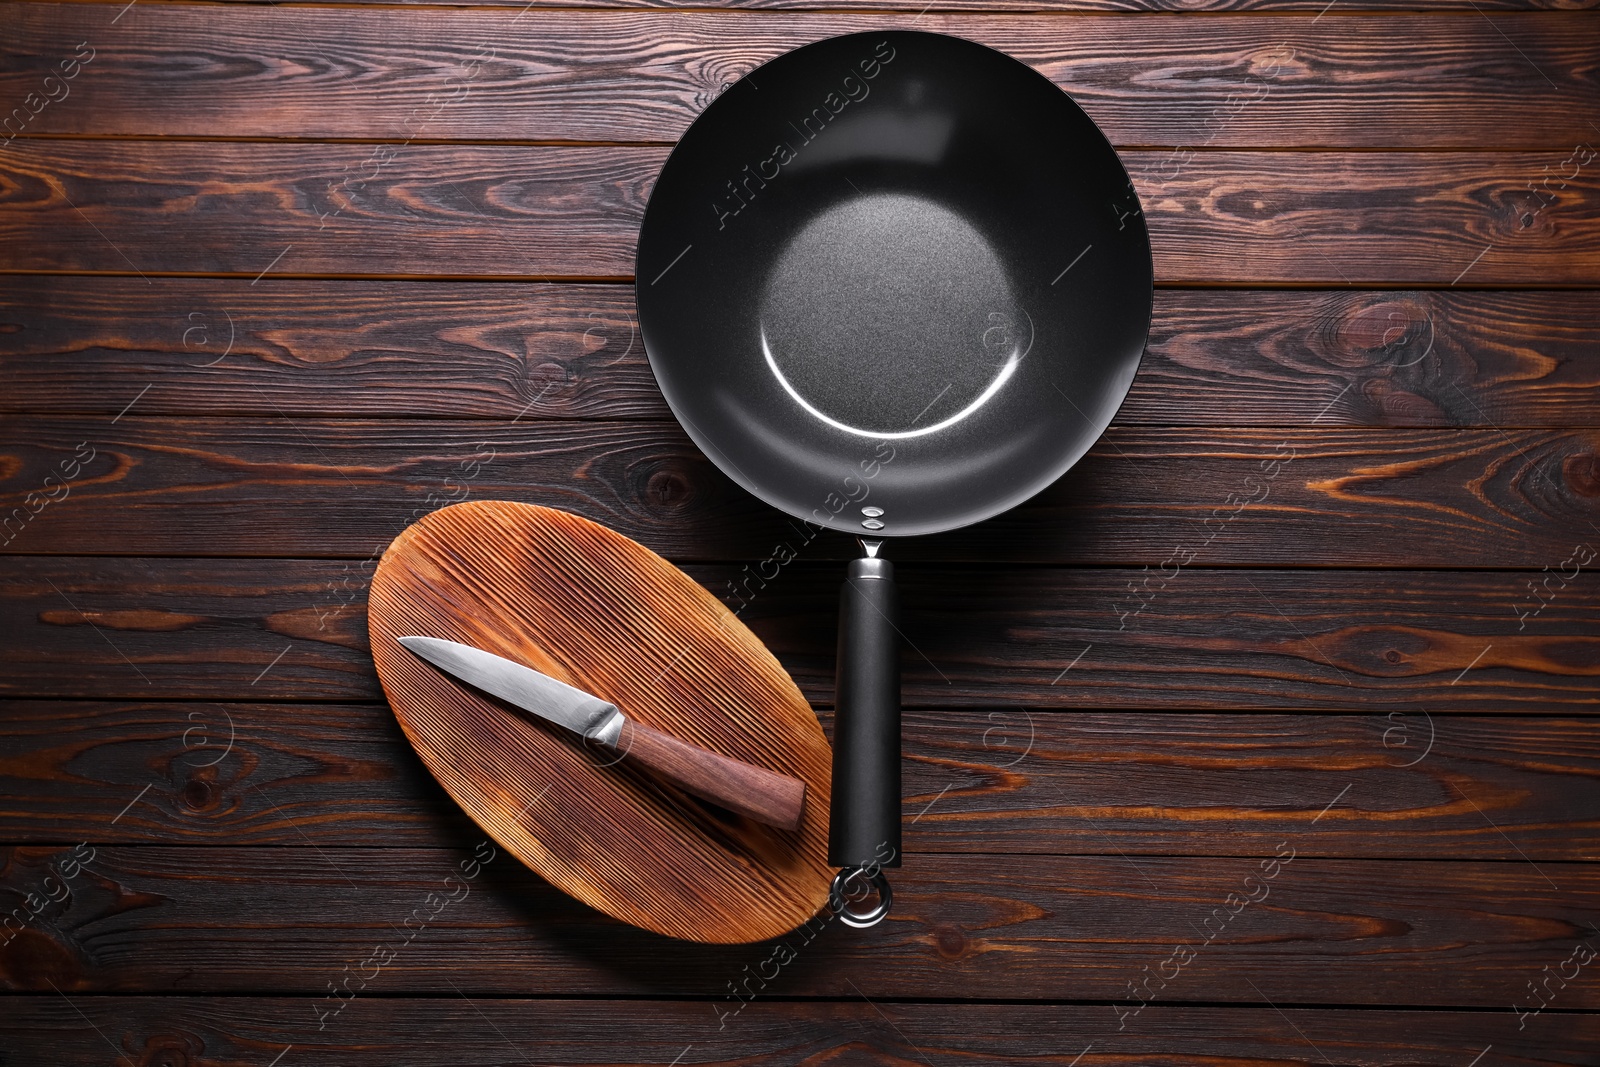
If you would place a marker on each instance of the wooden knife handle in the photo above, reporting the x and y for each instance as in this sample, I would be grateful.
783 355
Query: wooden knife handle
766 796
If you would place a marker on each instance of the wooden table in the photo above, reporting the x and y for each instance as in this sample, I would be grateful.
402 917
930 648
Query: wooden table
1263 737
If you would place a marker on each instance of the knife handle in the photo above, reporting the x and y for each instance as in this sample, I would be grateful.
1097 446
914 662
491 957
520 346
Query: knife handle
766 796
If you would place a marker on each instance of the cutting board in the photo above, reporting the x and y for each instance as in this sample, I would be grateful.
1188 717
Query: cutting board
584 604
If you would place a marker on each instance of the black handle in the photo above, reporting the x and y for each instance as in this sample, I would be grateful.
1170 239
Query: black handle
864 821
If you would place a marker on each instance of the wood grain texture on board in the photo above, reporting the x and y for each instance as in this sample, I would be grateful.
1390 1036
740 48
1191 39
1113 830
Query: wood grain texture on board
597 611
1381 933
1252 81
499 350
1227 638
1482 497
975 780
513 211
423 1032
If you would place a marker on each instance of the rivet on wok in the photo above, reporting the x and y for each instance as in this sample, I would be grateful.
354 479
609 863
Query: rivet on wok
872 524
872 513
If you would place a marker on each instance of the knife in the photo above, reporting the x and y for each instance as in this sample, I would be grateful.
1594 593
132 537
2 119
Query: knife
766 796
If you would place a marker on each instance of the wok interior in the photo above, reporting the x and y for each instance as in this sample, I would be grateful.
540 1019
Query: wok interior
895 303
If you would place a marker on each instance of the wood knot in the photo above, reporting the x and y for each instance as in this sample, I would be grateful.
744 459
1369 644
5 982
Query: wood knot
171 1050
950 942
550 375
667 488
32 959
545 384
1582 473
1383 651
1398 406
1391 333
717 75
198 795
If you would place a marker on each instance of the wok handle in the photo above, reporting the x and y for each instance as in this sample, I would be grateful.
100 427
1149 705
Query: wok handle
864 819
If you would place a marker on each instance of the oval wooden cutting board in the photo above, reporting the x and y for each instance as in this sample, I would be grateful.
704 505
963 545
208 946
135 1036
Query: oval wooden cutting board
584 604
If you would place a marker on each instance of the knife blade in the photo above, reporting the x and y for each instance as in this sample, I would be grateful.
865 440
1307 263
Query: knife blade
764 795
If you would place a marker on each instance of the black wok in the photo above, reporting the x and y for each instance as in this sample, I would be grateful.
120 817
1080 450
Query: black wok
892 283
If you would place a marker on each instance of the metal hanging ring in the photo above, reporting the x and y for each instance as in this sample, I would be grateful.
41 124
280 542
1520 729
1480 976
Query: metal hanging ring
840 900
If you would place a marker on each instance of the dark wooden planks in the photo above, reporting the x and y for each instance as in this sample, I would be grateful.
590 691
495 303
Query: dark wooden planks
1124 783
1483 497
1004 780
412 1032
88 345
151 629
1409 359
296 348
1045 925
1406 219
242 774
1249 81
1030 6
1033 6
223 774
1220 218
243 209
240 621
280 920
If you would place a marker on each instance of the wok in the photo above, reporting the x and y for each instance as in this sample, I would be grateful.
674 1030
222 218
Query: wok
892 283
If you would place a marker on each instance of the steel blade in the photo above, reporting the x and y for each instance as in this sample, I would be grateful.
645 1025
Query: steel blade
580 712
